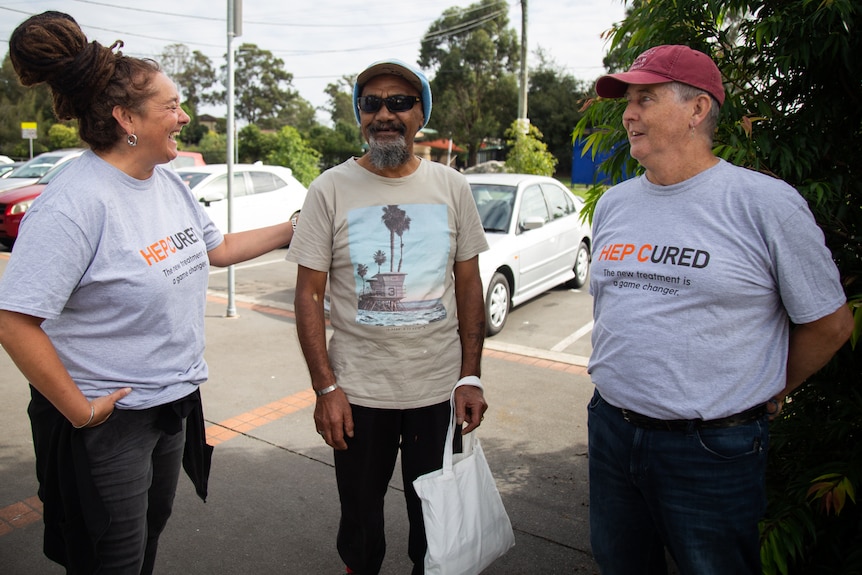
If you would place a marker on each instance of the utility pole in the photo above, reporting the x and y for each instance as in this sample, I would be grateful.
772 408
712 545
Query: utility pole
234 28
523 121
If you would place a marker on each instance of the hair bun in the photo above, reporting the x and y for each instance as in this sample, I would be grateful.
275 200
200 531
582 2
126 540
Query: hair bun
51 48
44 44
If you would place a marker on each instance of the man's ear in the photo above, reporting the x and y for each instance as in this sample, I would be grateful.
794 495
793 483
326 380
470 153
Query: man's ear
702 106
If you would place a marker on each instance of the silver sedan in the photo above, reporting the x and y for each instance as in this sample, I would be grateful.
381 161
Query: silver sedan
536 236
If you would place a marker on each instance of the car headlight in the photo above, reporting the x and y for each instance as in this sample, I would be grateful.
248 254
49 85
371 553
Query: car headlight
20 207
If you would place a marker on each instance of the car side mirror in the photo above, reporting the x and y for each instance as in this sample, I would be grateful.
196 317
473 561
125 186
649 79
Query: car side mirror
211 197
532 223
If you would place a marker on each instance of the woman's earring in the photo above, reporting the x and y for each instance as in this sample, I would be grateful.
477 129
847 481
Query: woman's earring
132 140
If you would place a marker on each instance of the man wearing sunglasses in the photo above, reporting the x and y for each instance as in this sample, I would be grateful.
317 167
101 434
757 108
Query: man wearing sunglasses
398 238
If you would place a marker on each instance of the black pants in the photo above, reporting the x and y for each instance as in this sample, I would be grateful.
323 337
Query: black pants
108 490
364 470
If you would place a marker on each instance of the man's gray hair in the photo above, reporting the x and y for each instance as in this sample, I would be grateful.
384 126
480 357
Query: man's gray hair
684 93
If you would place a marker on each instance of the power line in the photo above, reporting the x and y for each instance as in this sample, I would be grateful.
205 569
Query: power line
464 26
254 22
458 28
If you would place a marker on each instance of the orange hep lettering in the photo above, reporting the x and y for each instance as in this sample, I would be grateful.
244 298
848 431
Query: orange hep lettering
157 252
616 252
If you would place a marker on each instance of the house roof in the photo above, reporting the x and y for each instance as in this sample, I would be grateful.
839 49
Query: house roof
441 144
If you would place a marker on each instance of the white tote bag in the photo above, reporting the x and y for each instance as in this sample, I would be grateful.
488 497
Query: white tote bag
466 525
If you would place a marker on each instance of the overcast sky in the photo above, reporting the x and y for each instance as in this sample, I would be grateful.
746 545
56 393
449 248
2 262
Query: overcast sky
322 40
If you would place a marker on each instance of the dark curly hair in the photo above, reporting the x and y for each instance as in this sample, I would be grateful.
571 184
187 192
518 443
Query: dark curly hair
86 79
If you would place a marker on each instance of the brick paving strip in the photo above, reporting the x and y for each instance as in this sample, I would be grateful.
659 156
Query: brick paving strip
23 513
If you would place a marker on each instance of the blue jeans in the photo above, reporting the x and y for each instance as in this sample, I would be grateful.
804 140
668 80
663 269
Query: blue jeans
699 493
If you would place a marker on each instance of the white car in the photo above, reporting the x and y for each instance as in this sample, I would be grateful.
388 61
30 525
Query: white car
537 240
34 168
262 195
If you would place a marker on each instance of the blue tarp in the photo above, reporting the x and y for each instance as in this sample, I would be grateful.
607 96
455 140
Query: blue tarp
585 170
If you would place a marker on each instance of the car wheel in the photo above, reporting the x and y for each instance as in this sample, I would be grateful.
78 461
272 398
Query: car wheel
582 267
497 304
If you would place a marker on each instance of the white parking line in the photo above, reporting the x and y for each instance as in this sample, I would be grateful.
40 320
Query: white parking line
574 337
569 358
246 266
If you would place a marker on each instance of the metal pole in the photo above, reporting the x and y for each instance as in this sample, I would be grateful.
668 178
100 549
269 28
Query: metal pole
234 8
523 122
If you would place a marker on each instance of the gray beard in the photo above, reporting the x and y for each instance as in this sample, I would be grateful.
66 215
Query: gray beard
389 154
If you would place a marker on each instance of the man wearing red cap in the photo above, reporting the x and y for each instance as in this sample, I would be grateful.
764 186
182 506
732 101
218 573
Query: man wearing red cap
714 297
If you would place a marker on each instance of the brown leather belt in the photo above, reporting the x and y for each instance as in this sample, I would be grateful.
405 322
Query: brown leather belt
647 422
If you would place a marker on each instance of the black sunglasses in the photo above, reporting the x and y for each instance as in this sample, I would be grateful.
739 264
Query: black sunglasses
371 104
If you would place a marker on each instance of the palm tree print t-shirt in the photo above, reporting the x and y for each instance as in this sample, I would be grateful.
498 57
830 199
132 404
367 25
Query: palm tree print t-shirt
389 246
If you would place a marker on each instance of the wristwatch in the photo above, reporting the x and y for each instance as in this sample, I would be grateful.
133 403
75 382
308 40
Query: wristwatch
293 221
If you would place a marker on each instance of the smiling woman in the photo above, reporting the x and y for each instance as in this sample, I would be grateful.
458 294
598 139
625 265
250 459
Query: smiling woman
133 239
153 130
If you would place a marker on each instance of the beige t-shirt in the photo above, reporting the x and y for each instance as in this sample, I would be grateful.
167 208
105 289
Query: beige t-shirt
389 246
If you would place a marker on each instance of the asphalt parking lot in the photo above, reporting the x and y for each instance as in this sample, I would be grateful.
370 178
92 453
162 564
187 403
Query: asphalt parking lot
273 506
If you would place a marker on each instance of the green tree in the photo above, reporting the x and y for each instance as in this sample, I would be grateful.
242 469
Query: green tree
528 154
298 113
474 55
194 130
213 146
19 104
195 76
173 61
344 140
340 106
555 99
292 151
264 93
791 68
63 136
335 144
254 145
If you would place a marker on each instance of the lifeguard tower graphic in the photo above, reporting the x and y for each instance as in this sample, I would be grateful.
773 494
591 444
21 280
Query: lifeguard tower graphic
392 297
385 292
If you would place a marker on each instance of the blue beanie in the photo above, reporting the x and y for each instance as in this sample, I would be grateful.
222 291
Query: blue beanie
395 68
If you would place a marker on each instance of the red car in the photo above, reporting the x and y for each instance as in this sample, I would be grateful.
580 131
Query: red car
14 204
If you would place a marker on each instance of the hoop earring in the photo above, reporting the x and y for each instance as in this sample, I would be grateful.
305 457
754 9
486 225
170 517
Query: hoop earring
132 140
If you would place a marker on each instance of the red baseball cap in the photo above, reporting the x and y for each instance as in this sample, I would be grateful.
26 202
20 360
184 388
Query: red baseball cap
669 63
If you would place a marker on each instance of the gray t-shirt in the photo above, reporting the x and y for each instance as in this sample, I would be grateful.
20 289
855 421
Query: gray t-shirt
693 285
389 245
119 269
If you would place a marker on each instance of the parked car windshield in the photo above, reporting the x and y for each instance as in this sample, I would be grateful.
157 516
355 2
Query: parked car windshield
192 179
494 203
35 169
5 168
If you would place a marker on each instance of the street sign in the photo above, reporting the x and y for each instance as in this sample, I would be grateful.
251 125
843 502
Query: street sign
28 130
